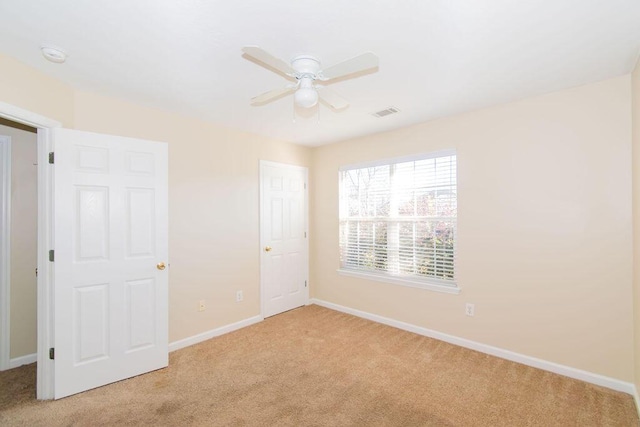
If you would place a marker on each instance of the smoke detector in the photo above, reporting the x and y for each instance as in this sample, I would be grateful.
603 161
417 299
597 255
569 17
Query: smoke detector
54 54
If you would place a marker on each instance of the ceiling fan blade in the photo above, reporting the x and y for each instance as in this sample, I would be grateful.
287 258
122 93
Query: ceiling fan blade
331 98
265 57
356 64
272 95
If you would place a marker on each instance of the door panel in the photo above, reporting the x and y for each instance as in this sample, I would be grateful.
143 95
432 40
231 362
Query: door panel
283 220
91 335
140 314
110 232
140 218
92 224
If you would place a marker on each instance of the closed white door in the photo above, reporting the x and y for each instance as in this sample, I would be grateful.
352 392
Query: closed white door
110 259
283 229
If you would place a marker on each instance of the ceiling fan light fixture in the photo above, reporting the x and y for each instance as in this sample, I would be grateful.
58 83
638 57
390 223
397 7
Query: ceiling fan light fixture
307 70
306 97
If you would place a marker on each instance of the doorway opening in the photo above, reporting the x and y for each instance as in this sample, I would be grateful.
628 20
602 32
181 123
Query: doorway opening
18 244
44 125
141 182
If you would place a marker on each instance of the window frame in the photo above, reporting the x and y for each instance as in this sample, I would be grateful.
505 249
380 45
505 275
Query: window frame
429 283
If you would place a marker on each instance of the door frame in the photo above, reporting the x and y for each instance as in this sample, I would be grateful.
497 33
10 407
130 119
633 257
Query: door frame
263 242
45 283
5 252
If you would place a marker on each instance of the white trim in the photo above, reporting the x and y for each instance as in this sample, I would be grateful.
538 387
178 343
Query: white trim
392 259
195 339
448 289
403 159
288 165
23 360
5 252
263 243
262 164
19 115
45 368
636 399
307 235
45 373
567 371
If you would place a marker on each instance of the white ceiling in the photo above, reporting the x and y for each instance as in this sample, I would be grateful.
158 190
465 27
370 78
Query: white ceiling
437 57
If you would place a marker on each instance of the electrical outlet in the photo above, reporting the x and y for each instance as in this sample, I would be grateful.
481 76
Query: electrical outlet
470 309
201 305
239 296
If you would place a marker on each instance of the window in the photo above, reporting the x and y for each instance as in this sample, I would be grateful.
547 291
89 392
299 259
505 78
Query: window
398 220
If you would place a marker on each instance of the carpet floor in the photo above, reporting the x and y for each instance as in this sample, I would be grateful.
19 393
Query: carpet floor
318 367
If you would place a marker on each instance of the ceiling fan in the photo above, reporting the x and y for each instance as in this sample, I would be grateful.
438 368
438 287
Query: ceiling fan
306 70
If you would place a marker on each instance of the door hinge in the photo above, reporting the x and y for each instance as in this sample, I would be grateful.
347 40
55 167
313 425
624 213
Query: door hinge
305 185
51 157
52 353
305 283
51 255
36 271
305 234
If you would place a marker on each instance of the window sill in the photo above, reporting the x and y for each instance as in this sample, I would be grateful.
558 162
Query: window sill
449 289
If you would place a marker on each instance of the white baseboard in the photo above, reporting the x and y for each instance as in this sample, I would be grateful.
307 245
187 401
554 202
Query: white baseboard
176 345
567 371
637 399
186 342
22 360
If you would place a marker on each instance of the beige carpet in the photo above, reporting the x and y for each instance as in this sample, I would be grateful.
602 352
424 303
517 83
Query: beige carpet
318 367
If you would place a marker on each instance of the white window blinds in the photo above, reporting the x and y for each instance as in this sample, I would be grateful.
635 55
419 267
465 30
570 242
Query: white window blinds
399 219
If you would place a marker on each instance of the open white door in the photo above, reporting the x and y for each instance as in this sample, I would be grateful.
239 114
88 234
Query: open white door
111 248
283 235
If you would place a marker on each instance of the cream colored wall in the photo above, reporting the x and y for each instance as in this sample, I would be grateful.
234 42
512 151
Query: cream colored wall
635 94
213 192
31 90
213 207
544 228
24 221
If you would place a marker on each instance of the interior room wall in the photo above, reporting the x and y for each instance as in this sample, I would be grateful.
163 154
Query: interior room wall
544 218
544 228
24 217
33 91
635 117
214 243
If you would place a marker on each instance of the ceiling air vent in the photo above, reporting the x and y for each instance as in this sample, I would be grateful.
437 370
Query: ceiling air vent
386 112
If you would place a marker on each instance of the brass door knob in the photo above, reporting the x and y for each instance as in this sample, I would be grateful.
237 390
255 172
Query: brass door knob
160 266
267 248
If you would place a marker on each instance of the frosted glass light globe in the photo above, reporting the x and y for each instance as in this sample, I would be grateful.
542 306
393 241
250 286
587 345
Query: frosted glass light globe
306 97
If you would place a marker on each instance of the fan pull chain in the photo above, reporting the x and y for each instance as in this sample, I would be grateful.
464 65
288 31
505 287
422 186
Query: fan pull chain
294 110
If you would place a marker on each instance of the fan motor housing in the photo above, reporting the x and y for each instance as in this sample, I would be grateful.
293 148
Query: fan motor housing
305 65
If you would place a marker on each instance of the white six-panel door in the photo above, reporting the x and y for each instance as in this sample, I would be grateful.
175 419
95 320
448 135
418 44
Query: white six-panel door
110 291
283 229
